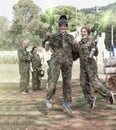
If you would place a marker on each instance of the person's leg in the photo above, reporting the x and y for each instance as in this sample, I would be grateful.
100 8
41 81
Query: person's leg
99 86
48 73
49 77
55 72
34 81
24 81
38 80
28 79
39 83
85 85
66 75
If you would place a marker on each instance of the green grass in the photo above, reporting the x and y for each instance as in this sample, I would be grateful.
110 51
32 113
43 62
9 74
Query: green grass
9 73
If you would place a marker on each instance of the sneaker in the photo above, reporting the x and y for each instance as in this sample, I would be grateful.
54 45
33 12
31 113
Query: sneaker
92 104
111 97
48 104
67 105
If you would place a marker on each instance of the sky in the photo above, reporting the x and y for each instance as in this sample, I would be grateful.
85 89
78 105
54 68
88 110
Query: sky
6 5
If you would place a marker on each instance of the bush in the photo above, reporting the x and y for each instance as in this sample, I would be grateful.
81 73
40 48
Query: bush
8 57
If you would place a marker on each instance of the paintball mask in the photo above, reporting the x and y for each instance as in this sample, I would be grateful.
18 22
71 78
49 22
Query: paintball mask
63 20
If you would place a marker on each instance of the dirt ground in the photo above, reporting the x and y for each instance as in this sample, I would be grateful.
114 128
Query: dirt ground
28 112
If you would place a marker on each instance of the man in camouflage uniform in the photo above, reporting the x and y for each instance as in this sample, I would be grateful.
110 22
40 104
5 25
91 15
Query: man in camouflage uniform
36 68
88 70
61 60
24 66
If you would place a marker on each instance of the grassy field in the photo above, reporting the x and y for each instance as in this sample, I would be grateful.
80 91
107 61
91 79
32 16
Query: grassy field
9 73
28 112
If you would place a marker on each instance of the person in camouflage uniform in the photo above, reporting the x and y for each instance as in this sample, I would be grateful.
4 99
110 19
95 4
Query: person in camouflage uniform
88 70
61 60
24 66
36 68
49 73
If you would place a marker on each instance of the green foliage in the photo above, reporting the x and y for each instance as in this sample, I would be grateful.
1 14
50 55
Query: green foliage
8 57
8 60
4 26
24 13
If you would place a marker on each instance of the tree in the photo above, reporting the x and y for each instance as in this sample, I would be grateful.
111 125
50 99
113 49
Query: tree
70 13
26 19
4 27
24 13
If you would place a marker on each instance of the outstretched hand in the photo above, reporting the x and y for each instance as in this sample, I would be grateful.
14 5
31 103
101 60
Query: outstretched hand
75 44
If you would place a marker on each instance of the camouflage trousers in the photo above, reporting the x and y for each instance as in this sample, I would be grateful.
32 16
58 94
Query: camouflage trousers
66 70
49 71
36 81
89 78
24 81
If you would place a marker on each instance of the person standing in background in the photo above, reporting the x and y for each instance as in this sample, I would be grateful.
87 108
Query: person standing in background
24 67
36 69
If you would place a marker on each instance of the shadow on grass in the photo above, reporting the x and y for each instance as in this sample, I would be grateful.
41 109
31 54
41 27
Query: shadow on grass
21 112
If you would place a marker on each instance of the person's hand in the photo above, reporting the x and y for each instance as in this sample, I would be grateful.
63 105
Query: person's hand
48 34
75 44
95 41
39 68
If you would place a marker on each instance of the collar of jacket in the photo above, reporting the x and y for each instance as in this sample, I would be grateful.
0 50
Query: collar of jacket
85 40
23 48
62 34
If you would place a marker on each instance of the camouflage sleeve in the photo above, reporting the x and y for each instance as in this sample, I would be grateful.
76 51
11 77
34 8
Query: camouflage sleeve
74 44
39 64
36 62
51 41
23 55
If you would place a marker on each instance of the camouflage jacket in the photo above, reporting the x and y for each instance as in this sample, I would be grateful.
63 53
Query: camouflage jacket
24 58
85 47
36 62
61 45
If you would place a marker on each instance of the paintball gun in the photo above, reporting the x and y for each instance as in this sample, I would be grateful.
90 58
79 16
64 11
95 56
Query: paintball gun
51 21
94 30
95 27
